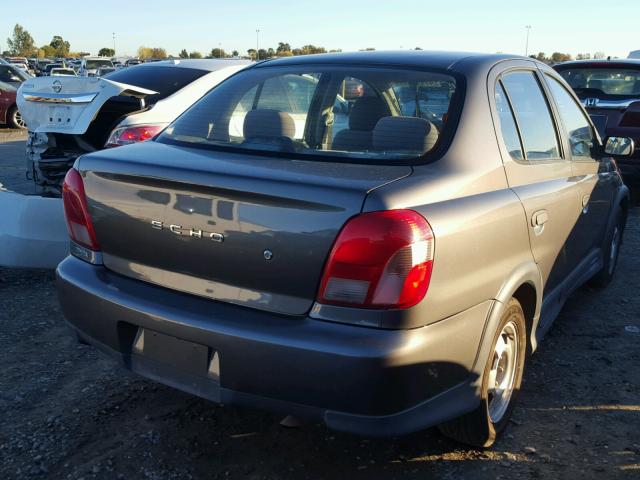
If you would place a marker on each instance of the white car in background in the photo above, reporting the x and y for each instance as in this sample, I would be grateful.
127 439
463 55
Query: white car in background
63 72
89 65
69 116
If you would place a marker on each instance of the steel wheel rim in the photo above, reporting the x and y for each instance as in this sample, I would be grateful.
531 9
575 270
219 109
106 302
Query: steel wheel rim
504 368
615 247
18 119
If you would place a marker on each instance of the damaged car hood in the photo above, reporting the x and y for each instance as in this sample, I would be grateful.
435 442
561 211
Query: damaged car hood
68 105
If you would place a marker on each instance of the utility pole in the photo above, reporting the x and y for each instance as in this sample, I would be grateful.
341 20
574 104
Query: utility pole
114 43
526 47
257 43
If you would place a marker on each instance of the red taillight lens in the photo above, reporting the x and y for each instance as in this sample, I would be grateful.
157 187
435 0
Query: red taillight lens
76 211
134 134
380 260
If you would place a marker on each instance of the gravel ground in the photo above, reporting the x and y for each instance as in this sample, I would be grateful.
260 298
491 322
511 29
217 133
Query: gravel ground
67 412
13 161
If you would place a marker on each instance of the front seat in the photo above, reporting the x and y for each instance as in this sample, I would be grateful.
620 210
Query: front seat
363 118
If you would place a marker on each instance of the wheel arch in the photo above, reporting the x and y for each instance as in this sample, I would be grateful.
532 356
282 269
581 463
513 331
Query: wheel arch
525 284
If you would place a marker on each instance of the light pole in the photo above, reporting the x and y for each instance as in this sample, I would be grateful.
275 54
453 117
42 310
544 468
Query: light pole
114 43
257 43
526 47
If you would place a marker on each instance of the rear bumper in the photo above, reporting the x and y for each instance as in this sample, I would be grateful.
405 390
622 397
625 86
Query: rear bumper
356 379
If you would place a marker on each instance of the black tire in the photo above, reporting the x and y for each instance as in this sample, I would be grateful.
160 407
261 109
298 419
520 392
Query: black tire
477 428
611 252
14 119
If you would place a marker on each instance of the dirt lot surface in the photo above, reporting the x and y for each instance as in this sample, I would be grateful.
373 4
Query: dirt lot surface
67 412
12 161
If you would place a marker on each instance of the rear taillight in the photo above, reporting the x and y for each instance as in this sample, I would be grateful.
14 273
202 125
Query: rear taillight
380 260
133 134
76 211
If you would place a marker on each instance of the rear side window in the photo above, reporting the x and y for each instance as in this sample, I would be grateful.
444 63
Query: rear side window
164 80
575 122
533 116
344 112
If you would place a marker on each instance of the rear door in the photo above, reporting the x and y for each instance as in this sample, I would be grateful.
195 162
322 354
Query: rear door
536 168
594 176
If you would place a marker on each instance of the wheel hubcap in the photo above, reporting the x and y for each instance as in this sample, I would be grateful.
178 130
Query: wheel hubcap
502 376
615 245
19 120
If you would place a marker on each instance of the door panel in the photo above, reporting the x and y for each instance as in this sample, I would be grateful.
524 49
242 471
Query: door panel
593 176
536 168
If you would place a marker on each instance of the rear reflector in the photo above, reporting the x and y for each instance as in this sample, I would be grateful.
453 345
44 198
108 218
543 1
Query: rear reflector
380 260
133 134
76 211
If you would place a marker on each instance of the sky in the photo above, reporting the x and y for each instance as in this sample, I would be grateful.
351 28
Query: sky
568 26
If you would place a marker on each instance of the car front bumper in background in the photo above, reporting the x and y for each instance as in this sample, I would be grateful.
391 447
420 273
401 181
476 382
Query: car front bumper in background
357 379
33 233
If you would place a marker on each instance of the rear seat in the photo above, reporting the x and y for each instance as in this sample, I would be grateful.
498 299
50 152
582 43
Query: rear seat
363 118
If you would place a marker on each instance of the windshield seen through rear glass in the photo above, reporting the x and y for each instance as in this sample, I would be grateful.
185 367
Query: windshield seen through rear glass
342 112
165 80
94 64
594 82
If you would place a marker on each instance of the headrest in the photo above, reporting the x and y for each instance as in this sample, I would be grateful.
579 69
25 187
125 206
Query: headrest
404 134
268 124
366 112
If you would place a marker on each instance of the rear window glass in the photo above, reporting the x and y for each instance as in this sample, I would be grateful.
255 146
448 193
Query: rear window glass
164 80
367 113
94 64
597 82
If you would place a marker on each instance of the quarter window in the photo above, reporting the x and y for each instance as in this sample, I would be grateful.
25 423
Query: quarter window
575 122
508 124
533 116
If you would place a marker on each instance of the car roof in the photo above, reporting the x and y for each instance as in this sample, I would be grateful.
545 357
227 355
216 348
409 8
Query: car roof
617 62
207 64
434 59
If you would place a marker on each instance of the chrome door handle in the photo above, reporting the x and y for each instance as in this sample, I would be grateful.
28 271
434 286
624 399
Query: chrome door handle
585 203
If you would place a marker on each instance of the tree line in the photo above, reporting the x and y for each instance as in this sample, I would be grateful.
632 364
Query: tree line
22 44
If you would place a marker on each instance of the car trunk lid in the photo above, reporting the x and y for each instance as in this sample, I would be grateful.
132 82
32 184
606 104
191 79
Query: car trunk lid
249 230
68 105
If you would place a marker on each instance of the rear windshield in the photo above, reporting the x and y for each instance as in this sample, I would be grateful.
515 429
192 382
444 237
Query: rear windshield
93 64
164 80
345 112
602 82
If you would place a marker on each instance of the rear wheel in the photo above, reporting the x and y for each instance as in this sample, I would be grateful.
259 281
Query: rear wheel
610 254
14 118
501 382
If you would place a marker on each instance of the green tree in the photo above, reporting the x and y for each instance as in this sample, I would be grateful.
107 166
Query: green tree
282 48
106 52
252 53
21 42
217 53
183 53
60 46
195 55
271 52
557 57
47 51
158 53
235 53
